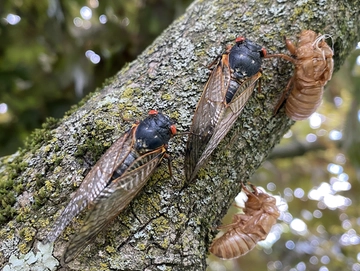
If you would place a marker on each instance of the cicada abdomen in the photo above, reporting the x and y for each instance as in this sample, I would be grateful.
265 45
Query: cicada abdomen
226 92
313 60
116 179
246 230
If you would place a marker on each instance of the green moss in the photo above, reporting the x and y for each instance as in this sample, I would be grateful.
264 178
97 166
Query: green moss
39 180
19 188
40 197
50 123
35 140
7 212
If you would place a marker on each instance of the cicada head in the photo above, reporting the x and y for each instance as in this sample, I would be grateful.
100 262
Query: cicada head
154 131
258 200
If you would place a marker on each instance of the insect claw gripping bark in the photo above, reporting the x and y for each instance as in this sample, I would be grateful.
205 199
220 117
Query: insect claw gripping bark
314 64
226 92
115 179
246 230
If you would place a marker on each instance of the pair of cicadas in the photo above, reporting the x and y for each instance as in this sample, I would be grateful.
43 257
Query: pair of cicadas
115 179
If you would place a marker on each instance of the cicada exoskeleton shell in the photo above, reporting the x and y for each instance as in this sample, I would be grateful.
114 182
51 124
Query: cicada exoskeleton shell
313 60
246 230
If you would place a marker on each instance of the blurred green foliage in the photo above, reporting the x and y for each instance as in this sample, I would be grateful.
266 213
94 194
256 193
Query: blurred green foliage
43 66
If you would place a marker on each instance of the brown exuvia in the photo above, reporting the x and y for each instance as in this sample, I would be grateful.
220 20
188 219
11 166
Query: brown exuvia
314 64
246 230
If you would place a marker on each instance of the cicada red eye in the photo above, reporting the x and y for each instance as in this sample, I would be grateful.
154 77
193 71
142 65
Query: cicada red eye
240 39
153 112
173 130
263 52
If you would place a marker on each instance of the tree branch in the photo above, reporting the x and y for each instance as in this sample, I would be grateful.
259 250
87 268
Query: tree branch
296 148
169 225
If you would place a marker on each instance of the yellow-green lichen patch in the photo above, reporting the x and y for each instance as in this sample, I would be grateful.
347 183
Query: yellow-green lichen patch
23 213
165 243
202 174
23 248
166 96
110 249
257 112
128 93
141 246
146 205
161 225
104 266
174 115
69 231
27 234
182 218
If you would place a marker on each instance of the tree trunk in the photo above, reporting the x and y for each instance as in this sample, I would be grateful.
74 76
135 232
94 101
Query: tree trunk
169 225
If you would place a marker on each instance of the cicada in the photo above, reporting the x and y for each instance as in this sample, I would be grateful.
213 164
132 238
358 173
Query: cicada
116 179
226 92
246 230
314 65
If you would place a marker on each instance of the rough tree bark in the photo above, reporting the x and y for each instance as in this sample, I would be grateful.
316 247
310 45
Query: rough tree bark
168 226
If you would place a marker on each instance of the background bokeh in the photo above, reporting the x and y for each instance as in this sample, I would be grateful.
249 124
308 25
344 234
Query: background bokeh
53 53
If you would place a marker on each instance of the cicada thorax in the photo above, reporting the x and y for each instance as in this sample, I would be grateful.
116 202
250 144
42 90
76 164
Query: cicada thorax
246 230
150 134
226 92
313 62
245 60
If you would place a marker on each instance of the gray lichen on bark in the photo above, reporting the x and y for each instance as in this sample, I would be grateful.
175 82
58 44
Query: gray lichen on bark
169 225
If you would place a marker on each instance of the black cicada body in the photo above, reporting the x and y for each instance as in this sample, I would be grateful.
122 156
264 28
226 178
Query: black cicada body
116 179
245 60
229 87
